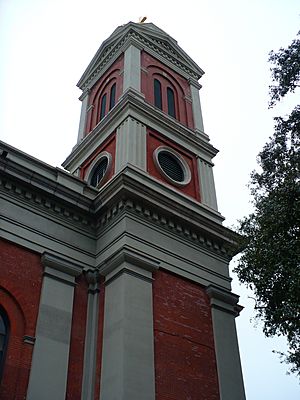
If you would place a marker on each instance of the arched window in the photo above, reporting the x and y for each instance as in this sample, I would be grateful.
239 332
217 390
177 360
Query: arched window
157 94
103 107
112 100
4 333
171 102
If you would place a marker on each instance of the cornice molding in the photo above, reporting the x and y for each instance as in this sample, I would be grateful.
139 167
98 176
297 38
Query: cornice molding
125 254
47 203
224 300
128 261
144 197
60 264
161 45
47 188
132 104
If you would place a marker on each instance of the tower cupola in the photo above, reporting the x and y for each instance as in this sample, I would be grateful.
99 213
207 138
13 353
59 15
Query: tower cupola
141 106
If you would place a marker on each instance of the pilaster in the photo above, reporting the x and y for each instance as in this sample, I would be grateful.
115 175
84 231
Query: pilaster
127 370
224 309
83 114
132 68
90 348
207 184
48 376
131 145
196 105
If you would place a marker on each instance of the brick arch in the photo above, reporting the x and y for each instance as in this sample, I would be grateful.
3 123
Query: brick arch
15 378
167 81
151 68
104 84
13 310
21 279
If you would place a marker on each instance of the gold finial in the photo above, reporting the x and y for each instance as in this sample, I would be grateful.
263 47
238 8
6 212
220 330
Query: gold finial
142 20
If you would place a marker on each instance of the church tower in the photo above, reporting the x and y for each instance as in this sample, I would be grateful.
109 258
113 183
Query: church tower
114 275
169 329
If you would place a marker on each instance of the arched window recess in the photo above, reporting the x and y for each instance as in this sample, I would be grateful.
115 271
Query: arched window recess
4 335
99 169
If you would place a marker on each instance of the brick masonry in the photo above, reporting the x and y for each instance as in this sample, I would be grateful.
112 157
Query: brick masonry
185 365
20 288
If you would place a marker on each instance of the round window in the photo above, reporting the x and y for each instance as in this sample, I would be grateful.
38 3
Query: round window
99 169
172 166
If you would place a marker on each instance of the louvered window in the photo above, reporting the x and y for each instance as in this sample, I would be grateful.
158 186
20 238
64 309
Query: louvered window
171 166
99 171
4 332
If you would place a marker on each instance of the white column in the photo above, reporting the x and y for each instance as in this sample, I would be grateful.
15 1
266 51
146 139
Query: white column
224 309
197 112
90 346
207 184
127 370
49 370
83 115
131 145
132 68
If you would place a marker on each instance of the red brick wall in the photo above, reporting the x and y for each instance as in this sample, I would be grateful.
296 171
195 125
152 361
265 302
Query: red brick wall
76 359
151 69
185 366
75 369
155 140
113 75
20 287
100 339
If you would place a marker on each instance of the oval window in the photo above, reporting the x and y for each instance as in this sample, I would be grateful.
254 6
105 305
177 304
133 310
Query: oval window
99 169
172 166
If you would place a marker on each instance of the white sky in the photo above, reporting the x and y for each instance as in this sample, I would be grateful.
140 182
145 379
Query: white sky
45 46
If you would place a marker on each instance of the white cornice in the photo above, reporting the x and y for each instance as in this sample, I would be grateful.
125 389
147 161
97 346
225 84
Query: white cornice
152 39
164 205
130 104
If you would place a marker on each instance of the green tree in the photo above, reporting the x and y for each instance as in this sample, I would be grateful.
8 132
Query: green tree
270 262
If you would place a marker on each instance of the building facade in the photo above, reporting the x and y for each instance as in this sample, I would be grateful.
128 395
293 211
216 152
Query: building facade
114 279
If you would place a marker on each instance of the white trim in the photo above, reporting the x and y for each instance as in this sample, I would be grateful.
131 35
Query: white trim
179 158
96 161
132 68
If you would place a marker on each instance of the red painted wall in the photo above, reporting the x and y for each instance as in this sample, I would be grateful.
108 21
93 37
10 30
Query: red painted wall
20 287
100 339
155 140
76 359
185 365
75 368
151 69
113 75
110 146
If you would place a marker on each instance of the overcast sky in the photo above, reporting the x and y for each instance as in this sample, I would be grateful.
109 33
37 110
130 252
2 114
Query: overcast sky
45 47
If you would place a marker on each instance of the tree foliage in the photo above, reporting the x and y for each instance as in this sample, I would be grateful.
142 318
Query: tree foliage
270 262
285 70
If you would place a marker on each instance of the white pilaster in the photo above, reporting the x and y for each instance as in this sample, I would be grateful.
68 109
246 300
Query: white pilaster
90 347
224 309
132 68
131 145
207 184
197 112
49 370
83 115
127 370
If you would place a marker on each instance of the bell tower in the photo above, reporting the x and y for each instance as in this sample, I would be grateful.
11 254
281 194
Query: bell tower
160 246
